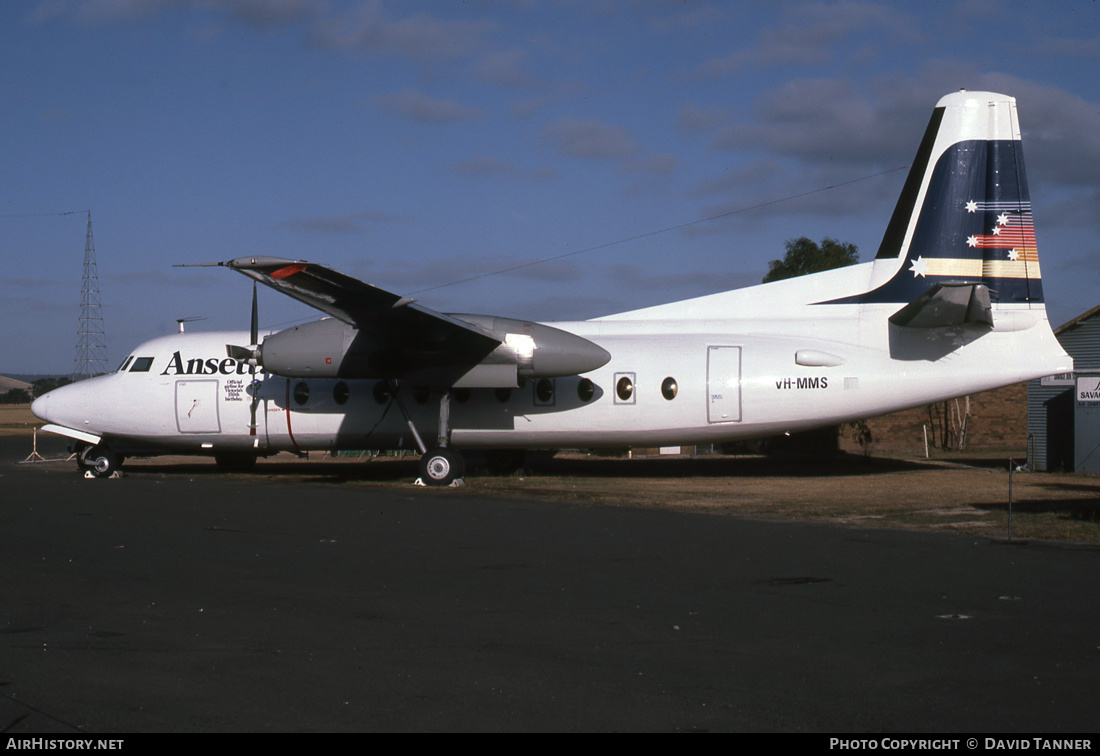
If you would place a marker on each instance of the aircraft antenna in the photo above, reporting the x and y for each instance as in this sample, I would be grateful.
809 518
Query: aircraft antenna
91 338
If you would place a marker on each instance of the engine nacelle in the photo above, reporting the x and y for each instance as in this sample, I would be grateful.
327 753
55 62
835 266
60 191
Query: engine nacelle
310 350
537 350
331 348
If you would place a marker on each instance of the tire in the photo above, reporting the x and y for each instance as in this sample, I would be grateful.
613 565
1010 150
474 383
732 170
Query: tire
100 460
441 467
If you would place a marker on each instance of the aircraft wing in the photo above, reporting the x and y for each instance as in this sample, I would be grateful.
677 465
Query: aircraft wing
384 335
354 302
394 334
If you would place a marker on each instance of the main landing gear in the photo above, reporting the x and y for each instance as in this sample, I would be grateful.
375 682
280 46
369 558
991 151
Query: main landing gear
441 466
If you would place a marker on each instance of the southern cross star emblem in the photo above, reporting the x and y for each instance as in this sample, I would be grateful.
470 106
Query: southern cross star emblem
1013 232
920 267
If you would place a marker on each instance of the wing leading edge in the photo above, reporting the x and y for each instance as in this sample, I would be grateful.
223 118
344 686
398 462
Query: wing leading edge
379 334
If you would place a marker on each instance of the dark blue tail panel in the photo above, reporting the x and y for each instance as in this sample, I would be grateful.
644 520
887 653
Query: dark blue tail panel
975 226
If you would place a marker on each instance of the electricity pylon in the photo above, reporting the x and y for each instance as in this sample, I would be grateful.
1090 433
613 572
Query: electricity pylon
91 338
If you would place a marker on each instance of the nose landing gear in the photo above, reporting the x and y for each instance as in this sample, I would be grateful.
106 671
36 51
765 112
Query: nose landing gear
99 460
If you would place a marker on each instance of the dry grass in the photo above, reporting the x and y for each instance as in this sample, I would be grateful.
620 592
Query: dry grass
937 495
16 419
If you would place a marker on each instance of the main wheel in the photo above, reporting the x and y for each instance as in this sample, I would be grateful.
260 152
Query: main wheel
440 467
100 460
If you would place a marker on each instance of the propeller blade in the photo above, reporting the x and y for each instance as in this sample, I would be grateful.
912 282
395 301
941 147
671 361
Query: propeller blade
254 332
249 354
254 335
255 403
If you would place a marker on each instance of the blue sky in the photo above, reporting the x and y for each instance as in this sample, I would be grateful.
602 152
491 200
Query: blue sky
416 145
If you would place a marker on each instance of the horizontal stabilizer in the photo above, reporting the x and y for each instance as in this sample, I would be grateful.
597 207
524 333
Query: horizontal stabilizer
947 304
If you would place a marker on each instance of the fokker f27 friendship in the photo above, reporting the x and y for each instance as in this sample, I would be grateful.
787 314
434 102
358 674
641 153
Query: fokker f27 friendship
952 304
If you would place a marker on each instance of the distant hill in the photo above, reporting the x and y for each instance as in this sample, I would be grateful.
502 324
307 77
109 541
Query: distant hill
32 377
7 384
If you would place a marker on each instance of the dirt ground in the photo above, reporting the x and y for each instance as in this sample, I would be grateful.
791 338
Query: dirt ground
17 419
967 493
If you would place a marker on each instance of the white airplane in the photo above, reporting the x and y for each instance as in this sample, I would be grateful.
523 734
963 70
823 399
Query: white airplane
952 304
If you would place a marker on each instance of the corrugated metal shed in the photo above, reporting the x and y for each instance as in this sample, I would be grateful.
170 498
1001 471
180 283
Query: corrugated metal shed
1063 433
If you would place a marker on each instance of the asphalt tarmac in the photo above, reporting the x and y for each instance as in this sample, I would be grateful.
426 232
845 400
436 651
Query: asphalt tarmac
180 599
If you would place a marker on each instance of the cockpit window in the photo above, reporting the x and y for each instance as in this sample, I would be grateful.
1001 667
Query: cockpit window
142 365
124 365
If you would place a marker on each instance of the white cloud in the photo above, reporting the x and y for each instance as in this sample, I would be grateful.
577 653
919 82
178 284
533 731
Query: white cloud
420 107
590 139
814 34
419 36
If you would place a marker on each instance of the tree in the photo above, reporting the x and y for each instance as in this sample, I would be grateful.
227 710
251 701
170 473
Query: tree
15 396
44 385
805 256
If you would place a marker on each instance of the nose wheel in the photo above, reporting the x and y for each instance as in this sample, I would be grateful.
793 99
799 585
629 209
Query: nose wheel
99 460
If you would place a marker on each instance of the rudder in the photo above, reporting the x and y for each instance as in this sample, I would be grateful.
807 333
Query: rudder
964 215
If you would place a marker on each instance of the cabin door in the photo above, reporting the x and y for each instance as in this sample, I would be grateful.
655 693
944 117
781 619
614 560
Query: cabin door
197 406
724 384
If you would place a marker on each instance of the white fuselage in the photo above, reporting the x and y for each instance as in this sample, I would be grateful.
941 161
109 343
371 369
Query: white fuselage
754 374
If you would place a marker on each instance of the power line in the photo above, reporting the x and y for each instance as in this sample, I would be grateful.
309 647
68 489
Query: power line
677 227
45 215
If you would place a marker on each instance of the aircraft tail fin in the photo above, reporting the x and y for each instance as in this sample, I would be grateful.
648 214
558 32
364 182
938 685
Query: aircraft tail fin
961 239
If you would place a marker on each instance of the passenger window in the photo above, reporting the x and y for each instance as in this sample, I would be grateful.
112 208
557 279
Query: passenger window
381 392
624 388
340 393
544 392
586 389
669 388
301 393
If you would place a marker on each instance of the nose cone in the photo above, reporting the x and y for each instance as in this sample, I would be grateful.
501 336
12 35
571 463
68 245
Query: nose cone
40 407
69 406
